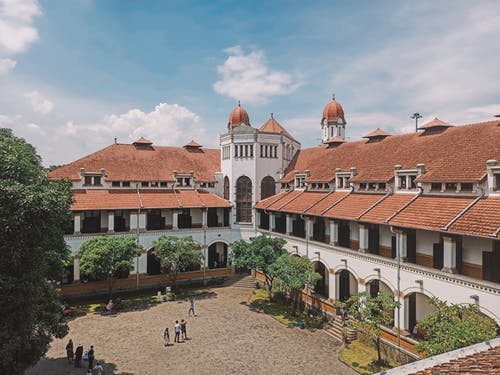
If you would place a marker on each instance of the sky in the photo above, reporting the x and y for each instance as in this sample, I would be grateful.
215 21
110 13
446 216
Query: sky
75 74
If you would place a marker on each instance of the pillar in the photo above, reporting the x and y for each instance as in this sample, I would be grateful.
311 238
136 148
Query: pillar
142 220
175 219
220 217
77 224
363 238
334 232
76 269
111 221
331 285
204 214
289 224
257 218
401 245
272 222
133 221
309 222
449 255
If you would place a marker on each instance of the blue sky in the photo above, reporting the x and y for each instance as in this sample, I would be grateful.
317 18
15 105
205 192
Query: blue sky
76 74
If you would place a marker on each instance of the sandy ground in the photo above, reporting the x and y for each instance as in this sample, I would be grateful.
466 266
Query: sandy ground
227 337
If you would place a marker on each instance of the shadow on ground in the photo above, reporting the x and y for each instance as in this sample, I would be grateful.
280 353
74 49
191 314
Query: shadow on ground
60 366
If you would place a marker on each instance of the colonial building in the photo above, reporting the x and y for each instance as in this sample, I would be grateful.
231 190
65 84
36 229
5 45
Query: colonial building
416 215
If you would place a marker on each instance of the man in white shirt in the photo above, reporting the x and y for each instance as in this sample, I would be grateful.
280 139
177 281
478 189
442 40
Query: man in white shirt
177 329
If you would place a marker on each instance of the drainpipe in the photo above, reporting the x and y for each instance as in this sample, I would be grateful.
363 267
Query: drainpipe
398 290
137 234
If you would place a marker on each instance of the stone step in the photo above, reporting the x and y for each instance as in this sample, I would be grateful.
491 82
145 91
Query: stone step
238 281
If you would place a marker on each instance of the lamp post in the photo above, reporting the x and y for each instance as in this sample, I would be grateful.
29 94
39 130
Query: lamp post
137 236
416 116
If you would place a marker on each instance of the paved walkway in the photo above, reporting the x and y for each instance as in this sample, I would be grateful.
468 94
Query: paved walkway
227 337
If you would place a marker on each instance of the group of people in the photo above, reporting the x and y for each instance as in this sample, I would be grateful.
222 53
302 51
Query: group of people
77 355
180 329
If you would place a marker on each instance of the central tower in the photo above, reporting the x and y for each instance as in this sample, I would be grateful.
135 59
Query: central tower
333 122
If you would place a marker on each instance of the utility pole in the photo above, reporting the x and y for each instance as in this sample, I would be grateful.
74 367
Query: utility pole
416 116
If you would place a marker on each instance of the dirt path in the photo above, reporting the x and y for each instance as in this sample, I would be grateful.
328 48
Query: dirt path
226 338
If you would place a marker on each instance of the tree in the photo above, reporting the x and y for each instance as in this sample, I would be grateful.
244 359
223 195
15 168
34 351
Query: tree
370 314
104 257
294 273
176 254
33 214
452 327
258 254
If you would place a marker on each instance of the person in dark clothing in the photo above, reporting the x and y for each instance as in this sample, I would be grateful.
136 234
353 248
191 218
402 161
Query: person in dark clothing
78 355
69 350
91 357
166 337
183 329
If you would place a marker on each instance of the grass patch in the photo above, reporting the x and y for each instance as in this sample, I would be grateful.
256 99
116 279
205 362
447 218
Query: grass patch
277 309
362 358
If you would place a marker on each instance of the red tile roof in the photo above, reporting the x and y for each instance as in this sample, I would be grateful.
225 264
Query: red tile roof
327 202
143 141
265 203
435 123
304 201
483 363
377 133
482 219
124 162
333 111
284 200
353 206
128 199
193 144
239 116
387 208
443 155
273 126
432 213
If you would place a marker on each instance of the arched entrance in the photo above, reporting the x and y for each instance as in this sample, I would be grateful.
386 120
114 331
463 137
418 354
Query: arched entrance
217 255
378 286
244 200
153 263
226 188
321 286
417 307
347 285
267 187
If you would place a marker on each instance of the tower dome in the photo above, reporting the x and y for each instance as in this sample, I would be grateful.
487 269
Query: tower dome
333 112
238 116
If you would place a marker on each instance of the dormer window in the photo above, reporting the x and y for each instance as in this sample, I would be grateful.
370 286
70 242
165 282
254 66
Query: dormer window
88 180
466 187
300 181
496 182
125 183
436 186
93 178
451 186
382 186
362 186
406 179
115 184
145 184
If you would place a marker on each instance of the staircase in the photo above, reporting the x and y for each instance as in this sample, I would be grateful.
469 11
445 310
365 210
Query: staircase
239 281
334 329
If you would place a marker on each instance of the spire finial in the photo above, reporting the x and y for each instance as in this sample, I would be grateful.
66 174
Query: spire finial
272 115
333 96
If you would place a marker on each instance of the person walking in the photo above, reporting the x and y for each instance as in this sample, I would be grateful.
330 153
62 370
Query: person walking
191 307
78 355
183 329
69 351
177 329
91 357
98 370
166 337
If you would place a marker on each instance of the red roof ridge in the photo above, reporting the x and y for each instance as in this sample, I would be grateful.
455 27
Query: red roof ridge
193 144
143 141
461 213
322 199
377 133
374 205
291 200
201 201
403 207
337 202
434 123
273 126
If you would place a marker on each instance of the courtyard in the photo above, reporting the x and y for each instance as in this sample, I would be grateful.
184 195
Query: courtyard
226 337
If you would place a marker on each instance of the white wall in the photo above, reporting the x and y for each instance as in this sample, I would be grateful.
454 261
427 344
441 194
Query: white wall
473 247
425 241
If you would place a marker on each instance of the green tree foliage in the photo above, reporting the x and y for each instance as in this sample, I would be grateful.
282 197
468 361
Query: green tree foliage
258 254
452 327
370 314
292 274
33 214
176 254
104 257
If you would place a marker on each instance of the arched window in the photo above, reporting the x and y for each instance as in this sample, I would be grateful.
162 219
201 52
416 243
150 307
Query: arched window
244 200
226 188
267 187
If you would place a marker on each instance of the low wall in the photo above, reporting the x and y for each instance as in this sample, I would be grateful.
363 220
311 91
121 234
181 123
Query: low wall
145 282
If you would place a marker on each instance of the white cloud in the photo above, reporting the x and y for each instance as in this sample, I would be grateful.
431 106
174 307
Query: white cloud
246 77
6 65
39 103
16 24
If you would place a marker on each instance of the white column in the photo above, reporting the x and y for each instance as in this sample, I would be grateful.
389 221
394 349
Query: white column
337 286
309 227
334 232
77 224
257 218
401 245
363 238
76 269
449 255
220 217
204 217
289 224
141 264
272 222
175 219
111 221
142 220
133 221
332 283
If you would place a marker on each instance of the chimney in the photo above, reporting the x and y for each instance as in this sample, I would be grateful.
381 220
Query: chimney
353 171
420 169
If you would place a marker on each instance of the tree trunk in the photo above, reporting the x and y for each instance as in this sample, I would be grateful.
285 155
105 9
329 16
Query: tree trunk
269 283
110 287
377 343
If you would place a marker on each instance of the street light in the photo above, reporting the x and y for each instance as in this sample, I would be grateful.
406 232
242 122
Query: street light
137 236
416 116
